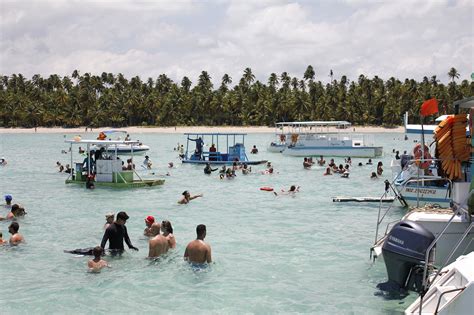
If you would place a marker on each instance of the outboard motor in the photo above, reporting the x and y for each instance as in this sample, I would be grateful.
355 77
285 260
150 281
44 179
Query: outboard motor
404 253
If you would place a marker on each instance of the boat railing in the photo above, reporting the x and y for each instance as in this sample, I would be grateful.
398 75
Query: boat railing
428 280
381 217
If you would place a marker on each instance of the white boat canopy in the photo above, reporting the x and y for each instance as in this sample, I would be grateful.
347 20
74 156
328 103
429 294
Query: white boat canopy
314 123
101 142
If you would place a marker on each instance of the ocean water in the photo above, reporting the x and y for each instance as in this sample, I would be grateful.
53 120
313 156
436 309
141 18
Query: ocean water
271 254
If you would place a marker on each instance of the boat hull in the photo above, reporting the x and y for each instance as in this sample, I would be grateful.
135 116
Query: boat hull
133 184
361 152
277 148
223 162
424 195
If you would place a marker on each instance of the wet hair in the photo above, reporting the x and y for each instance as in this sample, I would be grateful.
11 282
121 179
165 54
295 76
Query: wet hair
15 226
1 234
292 188
15 207
122 216
97 251
166 225
185 192
200 230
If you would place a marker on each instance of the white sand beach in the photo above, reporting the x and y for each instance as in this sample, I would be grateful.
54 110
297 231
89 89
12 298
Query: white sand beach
184 129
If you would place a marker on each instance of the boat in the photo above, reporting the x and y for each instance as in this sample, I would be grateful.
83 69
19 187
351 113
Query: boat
452 292
418 247
222 149
114 134
314 138
106 171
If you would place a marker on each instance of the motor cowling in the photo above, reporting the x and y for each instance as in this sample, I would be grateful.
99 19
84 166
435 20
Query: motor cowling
404 252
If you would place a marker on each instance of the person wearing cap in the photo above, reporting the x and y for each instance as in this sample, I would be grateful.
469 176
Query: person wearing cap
116 233
8 201
109 219
187 197
152 228
16 237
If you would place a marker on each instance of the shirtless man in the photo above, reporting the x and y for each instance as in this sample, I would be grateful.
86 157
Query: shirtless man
16 237
187 197
198 251
96 264
158 246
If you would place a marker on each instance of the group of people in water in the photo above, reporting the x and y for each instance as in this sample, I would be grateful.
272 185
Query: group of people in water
14 212
342 169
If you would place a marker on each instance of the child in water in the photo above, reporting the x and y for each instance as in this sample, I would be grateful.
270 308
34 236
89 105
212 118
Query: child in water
96 264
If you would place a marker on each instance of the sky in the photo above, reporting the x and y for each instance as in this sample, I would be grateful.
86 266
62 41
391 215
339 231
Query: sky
399 38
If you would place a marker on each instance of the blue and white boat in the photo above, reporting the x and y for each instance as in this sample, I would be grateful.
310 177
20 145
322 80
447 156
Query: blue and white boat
217 148
316 138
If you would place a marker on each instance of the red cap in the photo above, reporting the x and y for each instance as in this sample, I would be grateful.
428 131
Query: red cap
150 219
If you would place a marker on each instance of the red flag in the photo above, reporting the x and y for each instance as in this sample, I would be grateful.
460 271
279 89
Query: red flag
429 107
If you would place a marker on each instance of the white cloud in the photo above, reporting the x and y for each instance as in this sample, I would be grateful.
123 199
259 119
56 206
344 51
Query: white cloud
389 38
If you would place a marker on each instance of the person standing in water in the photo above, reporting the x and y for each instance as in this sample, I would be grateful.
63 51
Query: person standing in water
16 237
198 251
116 233
157 246
167 232
96 264
208 169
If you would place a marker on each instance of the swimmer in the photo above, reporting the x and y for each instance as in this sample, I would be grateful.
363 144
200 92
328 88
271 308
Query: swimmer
208 169
167 231
306 163
246 170
109 219
345 173
198 251
3 161
16 237
379 168
149 220
360 164
157 246
187 197
293 190
328 171
16 212
321 161
170 165
269 171
2 241
369 162
8 201
254 150
331 163
373 176
269 164
96 264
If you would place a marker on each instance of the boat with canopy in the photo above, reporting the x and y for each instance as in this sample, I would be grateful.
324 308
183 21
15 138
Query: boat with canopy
315 138
104 167
221 148
118 135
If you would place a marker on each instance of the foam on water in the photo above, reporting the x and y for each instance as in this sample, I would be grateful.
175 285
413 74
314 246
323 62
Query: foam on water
272 254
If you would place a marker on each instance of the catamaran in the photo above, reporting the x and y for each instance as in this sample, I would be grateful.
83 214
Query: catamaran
107 170
314 138
221 148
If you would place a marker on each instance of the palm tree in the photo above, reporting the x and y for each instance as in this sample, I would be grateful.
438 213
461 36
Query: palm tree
309 73
453 74
248 76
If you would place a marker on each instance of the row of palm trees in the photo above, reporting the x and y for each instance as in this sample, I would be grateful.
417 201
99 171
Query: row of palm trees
113 100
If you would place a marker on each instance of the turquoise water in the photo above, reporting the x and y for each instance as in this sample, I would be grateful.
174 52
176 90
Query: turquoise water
301 254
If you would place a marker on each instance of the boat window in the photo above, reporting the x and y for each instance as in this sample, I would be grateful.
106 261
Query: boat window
357 144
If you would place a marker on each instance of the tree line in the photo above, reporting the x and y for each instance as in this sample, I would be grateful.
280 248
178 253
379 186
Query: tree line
113 100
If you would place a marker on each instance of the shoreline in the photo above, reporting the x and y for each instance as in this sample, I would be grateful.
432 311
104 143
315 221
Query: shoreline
185 129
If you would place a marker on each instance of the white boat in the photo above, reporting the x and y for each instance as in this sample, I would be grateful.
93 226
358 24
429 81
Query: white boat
417 189
451 293
119 135
314 138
